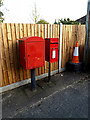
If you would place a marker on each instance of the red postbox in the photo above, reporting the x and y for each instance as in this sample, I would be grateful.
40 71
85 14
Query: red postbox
51 49
32 52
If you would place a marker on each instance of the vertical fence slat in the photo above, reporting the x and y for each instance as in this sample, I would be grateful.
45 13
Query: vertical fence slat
32 29
2 78
42 35
3 60
65 52
21 36
55 37
62 46
28 30
26 33
51 34
46 36
39 31
58 35
36 34
68 41
15 58
0 56
10 43
20 71
73 36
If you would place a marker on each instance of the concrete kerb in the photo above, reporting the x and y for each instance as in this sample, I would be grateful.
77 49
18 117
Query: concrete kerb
24 82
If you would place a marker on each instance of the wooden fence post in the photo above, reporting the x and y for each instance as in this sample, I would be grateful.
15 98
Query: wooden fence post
87 41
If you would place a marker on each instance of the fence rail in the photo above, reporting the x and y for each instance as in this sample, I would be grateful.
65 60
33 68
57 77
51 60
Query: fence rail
10 33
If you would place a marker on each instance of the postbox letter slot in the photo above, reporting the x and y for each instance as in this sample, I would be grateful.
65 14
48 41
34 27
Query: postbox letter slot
53 54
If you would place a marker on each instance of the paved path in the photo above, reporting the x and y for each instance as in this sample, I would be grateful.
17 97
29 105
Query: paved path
65 96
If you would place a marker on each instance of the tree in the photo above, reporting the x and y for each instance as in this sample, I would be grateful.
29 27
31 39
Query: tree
55 22
68 21
1 13
35 15
42 21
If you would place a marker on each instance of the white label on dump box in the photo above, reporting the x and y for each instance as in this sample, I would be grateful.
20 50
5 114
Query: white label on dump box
54 54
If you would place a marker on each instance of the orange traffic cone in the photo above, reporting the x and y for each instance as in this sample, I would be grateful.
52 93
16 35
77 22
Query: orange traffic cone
76 54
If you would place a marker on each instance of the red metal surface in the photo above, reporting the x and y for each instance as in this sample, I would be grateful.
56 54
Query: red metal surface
51 49
32 52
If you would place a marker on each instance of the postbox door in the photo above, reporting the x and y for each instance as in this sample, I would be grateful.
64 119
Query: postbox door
53 54
35 54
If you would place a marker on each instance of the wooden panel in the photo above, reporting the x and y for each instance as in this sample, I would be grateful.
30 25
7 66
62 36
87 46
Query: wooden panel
10 43
7 55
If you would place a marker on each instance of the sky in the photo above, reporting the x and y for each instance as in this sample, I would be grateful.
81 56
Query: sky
20 11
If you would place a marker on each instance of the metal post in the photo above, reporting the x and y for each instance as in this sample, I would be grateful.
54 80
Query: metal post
87 39
33 82
49 71
60 47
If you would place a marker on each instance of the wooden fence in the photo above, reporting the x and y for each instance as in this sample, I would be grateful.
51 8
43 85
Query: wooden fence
10 33
71 34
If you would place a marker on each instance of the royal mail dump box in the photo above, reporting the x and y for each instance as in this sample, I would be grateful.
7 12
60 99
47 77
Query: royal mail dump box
51 49
32 52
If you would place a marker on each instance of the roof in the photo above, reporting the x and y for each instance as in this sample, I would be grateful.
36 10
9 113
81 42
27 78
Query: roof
82 20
